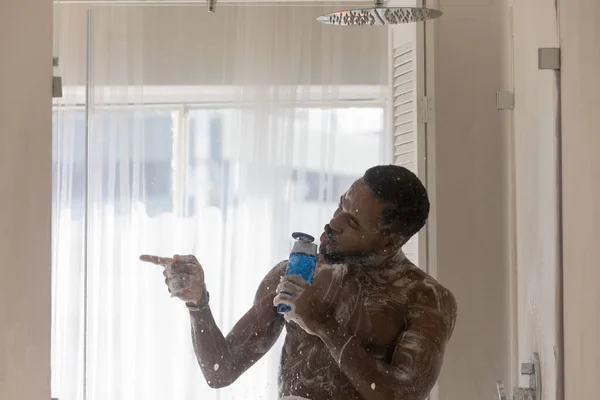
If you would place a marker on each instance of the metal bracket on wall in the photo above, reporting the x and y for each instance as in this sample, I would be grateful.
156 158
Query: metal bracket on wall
534 391
425 111
56 81
549 58
505 100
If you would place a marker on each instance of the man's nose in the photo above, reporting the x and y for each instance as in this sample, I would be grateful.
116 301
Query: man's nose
336 224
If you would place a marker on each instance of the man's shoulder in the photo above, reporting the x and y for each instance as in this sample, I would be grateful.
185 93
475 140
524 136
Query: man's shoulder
281 266
278 270
426 297
274 275
422 289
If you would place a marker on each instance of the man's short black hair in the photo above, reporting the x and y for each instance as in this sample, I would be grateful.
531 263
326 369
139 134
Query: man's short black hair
405 197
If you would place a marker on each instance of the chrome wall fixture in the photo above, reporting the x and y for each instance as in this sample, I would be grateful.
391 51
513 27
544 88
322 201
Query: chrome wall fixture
534 391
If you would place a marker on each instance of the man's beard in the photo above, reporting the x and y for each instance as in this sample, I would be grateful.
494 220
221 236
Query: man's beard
332 256
347 257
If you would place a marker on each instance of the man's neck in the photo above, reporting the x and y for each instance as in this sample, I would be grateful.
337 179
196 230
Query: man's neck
372 261
387 267
384 259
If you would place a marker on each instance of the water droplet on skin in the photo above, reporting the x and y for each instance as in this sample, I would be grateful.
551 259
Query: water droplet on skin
216 367
373 386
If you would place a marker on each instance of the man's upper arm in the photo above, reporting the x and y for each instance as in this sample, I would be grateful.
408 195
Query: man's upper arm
256 332
420 349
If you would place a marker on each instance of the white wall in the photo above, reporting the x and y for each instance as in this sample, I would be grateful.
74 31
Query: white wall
496 194
25 178
471 63
579 38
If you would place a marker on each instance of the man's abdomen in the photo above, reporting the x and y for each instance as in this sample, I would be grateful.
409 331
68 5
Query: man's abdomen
309 371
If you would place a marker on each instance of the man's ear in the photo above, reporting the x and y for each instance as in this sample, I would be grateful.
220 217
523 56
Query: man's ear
391 243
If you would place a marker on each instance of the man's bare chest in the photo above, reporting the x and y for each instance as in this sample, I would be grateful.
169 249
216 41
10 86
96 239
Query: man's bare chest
374 313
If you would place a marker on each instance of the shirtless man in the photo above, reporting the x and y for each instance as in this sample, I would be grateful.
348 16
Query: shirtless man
370 326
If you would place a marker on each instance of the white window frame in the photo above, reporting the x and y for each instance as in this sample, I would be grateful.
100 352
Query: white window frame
218 96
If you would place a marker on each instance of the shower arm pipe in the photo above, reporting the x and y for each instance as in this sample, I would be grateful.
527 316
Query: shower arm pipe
213 3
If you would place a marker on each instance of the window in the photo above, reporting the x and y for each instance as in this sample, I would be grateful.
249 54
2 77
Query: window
154 128
216 180
210 149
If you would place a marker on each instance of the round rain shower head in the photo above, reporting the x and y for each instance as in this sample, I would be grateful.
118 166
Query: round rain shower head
379 15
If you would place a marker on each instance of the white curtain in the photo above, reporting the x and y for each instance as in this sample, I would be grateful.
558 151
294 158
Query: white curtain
214 135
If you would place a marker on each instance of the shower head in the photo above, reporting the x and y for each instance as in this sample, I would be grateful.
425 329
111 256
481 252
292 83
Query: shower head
379 15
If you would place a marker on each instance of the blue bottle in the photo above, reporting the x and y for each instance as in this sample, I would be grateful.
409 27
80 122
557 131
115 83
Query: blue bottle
302 261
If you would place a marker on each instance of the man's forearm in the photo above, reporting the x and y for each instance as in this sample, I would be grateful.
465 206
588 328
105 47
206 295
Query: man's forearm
372 378
212 350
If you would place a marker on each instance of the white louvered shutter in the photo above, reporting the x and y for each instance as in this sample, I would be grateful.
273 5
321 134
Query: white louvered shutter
405 125
405 107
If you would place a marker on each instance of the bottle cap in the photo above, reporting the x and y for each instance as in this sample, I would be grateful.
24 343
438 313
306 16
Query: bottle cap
305 237
304 244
